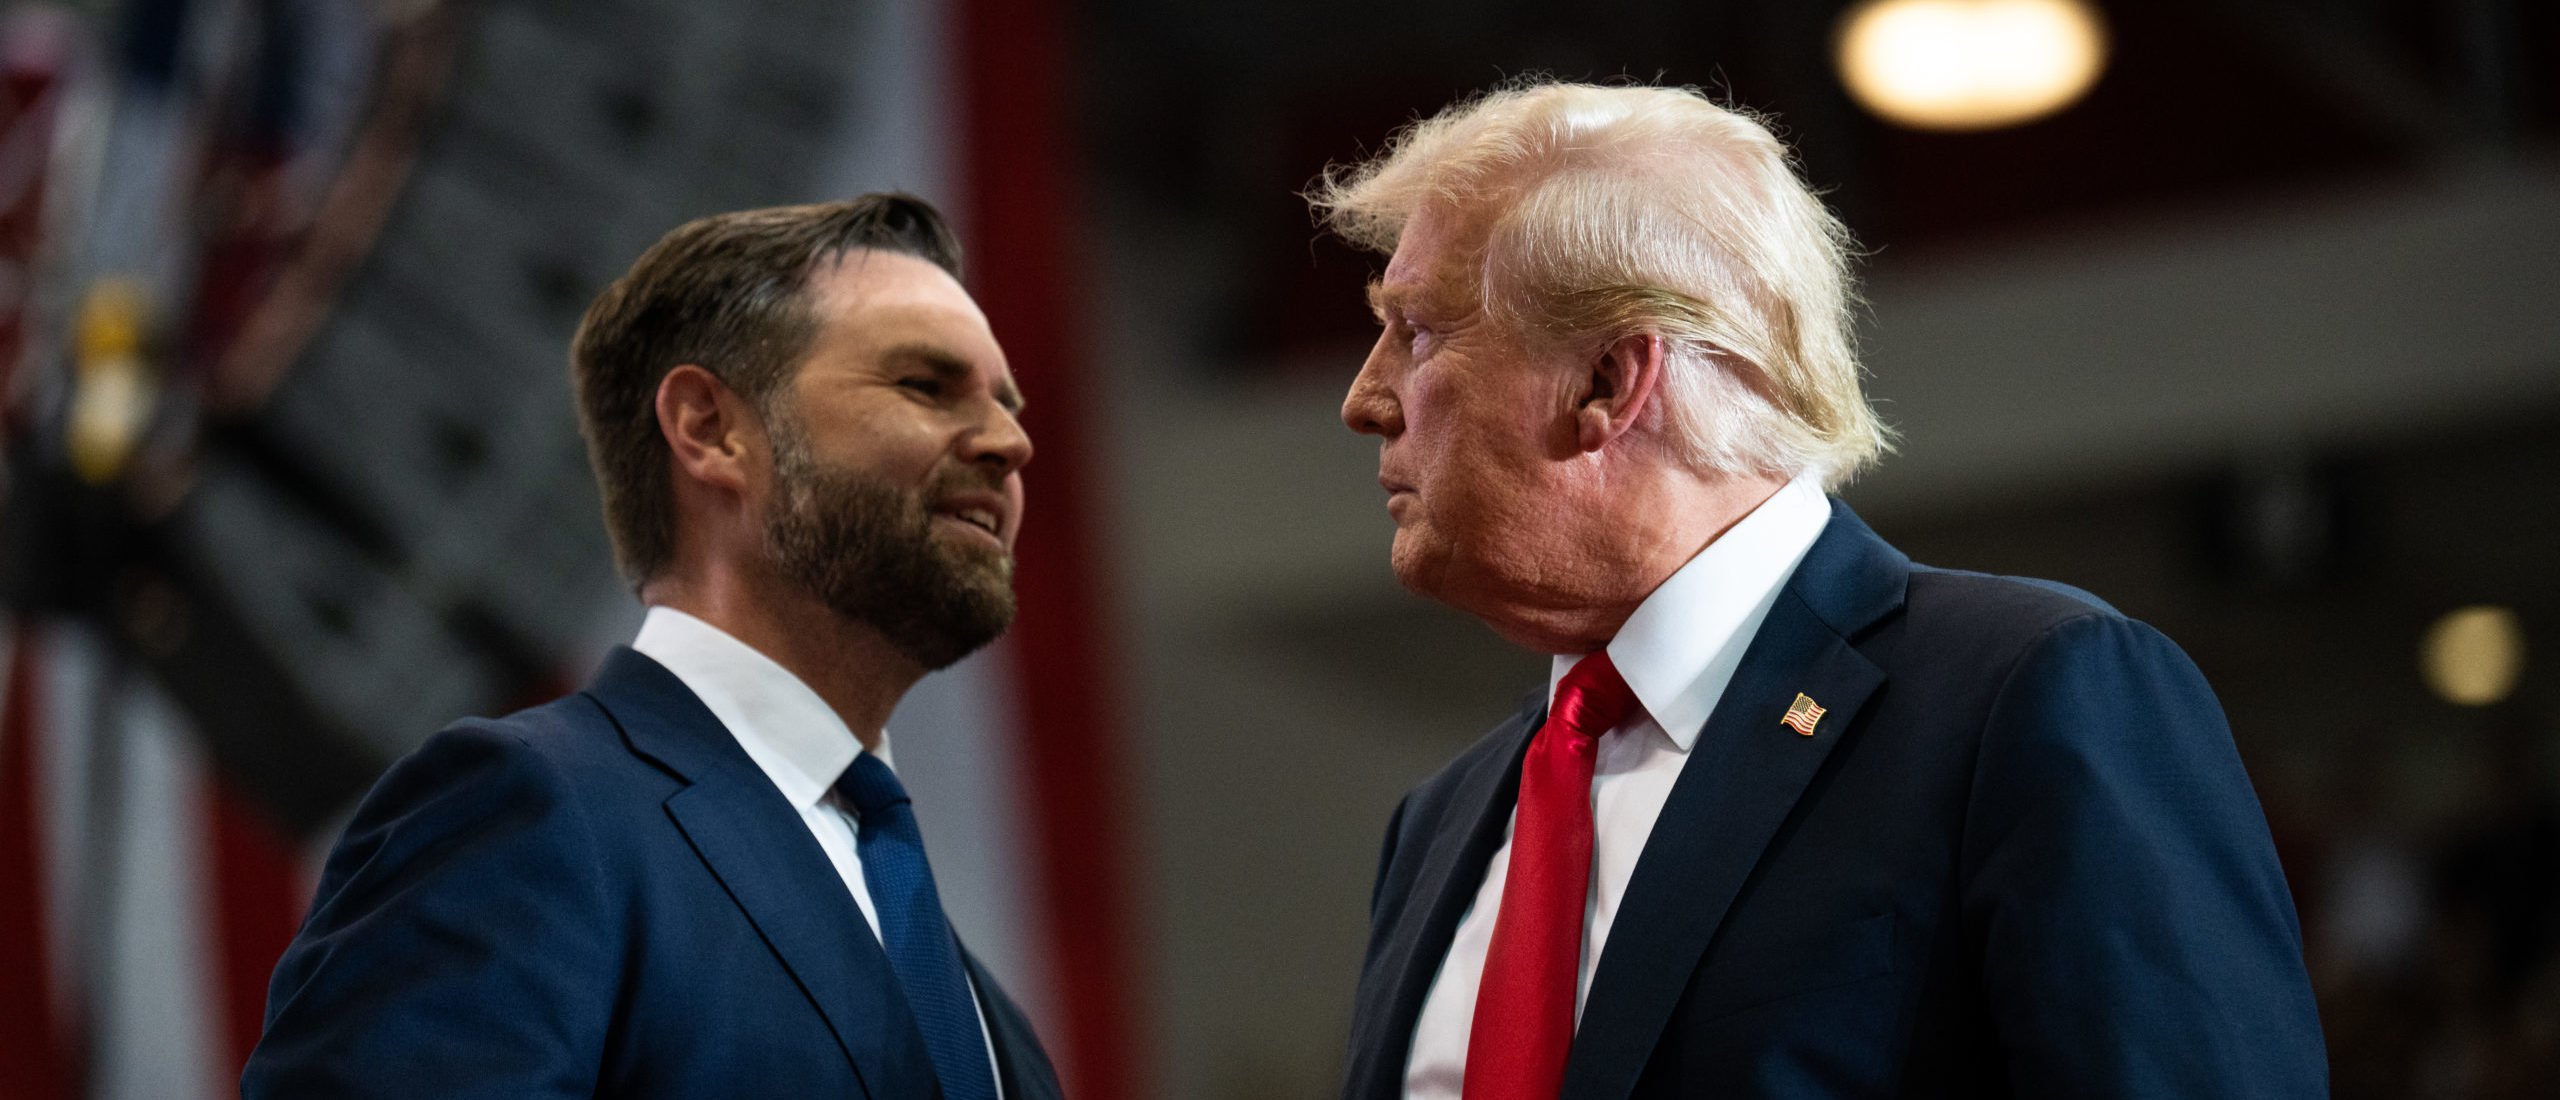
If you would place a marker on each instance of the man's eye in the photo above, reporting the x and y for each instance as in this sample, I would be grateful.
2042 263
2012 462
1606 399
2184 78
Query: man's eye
923 384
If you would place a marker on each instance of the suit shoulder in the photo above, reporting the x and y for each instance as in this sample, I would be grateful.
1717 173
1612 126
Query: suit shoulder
544 760
539 746
563 724
473 874
572 733
2025 606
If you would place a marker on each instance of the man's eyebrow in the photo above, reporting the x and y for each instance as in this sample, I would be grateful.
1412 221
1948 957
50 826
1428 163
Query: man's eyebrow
1383 298
952 368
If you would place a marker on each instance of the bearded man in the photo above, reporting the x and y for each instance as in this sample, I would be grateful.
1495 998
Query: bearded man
1793 816
701 877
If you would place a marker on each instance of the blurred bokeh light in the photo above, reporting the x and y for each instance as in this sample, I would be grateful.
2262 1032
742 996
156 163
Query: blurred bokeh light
1970 64
2473 655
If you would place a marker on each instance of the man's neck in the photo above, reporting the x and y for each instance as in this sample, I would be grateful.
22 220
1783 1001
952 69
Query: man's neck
848 664
1646 539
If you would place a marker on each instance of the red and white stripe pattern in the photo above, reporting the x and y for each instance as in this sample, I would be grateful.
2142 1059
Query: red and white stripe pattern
143 900
35 1037
1802 715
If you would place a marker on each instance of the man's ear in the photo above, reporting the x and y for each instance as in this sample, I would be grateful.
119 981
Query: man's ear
707 427
1622 383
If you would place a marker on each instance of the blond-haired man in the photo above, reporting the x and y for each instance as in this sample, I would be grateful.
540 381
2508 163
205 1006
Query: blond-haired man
1794 816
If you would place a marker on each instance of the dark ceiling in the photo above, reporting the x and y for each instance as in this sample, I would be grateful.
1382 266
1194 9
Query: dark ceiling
1211 116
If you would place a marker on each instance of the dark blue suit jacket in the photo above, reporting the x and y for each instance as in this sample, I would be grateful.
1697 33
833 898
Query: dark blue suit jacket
2017 857
601 896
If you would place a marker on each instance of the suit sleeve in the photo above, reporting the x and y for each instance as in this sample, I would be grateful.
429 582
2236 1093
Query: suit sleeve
459 945
2133 929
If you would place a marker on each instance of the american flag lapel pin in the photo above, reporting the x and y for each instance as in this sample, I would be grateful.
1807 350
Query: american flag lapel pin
1802 715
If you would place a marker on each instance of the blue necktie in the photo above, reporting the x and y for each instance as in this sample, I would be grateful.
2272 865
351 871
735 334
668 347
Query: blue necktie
922 951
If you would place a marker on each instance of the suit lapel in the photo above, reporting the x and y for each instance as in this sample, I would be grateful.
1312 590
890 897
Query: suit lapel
1745 775
754 842
1453 868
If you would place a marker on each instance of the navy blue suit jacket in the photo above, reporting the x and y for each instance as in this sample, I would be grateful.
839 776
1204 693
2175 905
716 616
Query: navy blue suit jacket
601 896
2017 857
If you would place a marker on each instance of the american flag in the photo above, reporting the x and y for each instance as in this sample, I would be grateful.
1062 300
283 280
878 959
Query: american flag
1802 715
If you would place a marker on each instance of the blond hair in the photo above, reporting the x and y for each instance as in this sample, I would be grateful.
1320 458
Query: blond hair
1621 211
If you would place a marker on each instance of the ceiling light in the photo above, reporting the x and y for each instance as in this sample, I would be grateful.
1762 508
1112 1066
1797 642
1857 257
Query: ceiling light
2473 655
1969 64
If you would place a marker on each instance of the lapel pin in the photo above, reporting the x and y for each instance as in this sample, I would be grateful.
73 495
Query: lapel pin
1801 716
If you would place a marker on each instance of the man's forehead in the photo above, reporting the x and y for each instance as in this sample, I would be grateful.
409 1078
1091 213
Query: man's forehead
872 278
887 290
880 304
1435 261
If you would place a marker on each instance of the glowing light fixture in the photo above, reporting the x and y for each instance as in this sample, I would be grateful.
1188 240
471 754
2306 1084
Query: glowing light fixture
1969 64
2473 655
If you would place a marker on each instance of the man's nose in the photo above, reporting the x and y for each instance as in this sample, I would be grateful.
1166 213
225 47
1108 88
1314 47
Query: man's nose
1371 407
1000 441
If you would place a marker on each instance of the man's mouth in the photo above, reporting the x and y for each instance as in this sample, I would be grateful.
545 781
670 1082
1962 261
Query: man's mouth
979 518
983 511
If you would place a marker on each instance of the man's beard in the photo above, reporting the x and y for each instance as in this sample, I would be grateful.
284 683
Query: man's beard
869 551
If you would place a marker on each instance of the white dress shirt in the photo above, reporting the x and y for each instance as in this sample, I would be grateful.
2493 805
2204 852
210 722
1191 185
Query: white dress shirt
1678 651
794 737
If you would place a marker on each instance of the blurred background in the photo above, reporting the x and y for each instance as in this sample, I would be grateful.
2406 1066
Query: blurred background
2244 314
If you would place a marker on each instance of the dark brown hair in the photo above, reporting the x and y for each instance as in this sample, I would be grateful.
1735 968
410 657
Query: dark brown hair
725 293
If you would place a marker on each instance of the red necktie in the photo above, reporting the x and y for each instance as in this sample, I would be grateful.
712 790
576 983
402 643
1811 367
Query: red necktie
1524 1008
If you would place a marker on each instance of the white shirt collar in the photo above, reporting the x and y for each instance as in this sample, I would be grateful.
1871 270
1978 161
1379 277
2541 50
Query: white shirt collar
1682 645
794 736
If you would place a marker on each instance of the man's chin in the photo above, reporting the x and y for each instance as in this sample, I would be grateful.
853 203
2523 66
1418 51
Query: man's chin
982 570
984 583
970 618
1420 566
